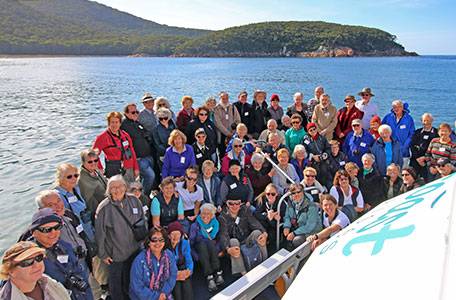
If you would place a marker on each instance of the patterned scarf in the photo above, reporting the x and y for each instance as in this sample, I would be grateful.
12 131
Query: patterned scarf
158 280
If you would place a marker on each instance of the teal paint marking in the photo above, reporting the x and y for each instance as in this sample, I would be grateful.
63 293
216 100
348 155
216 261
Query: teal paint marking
437 199
378 238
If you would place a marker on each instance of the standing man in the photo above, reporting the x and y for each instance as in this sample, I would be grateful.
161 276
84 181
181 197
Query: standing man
142 141
369 108
319 90
244 108
226 119
147 115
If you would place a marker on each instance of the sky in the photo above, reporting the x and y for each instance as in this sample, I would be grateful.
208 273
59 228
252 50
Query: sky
423 26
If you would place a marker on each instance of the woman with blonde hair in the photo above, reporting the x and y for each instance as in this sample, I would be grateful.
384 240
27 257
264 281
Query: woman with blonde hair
179 156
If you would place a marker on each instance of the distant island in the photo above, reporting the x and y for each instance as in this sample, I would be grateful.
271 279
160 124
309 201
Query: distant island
82 27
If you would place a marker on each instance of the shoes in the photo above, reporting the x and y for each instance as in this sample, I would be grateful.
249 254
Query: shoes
219 278
211 285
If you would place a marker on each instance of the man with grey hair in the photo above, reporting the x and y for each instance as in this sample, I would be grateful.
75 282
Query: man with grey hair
226 118
319 90
419 144
272 128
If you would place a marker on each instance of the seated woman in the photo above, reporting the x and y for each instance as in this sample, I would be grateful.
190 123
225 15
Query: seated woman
334 221
201 148
392 181
237 153
210 183
202 121
258 173
279 180
241 133
236 185
352 170
239 227
190 193
180 247
410 180
371 182
300 161
166 206
349 199
311 184
203 239
296 133
301 217
178 157
267 213
153 272
337 159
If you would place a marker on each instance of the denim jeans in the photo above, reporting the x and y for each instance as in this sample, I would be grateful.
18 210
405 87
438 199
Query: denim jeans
146 170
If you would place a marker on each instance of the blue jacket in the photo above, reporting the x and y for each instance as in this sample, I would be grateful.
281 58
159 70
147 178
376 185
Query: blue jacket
378 150
60 263
214 192
355 147
186 253
307 217
140 274
402 130
175 164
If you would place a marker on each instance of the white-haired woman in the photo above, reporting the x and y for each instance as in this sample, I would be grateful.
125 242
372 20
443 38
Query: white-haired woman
386 150
371 182
117 244
259 174
161 133
203 238
299 160
298 107
162 102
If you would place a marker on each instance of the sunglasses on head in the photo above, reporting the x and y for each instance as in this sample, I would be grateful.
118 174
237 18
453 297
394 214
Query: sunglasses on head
49 229
271 194
157 240
28 262
93 161
72 175
163 119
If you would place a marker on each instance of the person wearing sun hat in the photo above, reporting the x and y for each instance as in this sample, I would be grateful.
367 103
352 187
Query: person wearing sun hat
147 115
60 261
22 269
369 108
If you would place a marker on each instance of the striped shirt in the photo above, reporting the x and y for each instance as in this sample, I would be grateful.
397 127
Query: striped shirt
438 149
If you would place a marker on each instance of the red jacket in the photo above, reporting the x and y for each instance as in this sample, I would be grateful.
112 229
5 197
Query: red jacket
104 143
183 119
344 120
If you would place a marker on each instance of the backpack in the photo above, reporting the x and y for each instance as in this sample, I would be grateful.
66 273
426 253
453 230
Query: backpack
251 255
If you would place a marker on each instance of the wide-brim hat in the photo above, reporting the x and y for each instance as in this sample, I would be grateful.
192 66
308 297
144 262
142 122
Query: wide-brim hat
259 92
147 97
22 250
366 90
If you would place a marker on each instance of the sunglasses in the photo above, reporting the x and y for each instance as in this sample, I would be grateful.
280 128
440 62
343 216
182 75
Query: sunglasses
237 146
49 229
160 105
271 194
348 101
309 175
297 192
135 112
191 178
233 203
312 129
163 119
365 94
72 175
136 189
200 136
201 114
405 174
295 122
28 262
356 125
157 240
93 161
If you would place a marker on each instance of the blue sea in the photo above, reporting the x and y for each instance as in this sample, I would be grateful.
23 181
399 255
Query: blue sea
52 108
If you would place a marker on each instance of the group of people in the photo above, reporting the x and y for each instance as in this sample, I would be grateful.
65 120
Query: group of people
160 194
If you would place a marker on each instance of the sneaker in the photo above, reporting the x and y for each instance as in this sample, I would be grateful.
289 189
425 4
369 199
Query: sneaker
211 286
219 278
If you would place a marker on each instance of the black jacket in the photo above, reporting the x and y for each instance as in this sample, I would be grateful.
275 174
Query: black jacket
139 136
245 111
209 129
372 187
259 119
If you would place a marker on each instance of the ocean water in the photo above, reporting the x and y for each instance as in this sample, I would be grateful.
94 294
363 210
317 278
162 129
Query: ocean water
52 108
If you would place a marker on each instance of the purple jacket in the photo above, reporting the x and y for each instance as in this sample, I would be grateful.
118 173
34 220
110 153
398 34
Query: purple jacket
175 164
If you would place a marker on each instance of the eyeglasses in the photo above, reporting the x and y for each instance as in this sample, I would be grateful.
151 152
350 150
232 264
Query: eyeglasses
191 178
157 240
72 175
309 175
202 114
28 262
233 203
163 119
356 125
93 161
135 112
237 146
49 229
271 194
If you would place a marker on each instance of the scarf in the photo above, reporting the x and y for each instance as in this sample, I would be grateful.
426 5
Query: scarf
214 224
158 280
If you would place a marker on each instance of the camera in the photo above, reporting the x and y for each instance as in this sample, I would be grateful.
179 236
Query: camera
356 152
80 252
324 156
128 154
233 126
77 282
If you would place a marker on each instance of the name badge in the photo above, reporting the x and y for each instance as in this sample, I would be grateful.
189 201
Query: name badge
425 137
226 117
233 186
72 199
307 142
326 114
246 113
342 163
125 143
209 230
145 209
363 144
183 160
314 192
79 228
443 149
402 127
135 211
63 259
140 127
199 155
237 220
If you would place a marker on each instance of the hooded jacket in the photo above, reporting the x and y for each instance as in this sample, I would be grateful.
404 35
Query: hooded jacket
403 129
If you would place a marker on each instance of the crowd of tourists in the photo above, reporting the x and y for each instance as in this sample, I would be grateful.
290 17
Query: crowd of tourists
163 194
